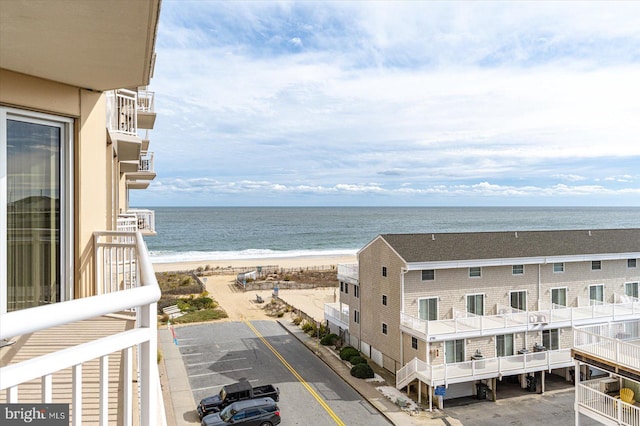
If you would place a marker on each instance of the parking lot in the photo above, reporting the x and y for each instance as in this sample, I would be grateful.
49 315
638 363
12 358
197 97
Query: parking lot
217 354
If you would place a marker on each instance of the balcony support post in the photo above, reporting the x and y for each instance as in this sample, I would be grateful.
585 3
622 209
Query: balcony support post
576 379
47 389
127 367
104 390
76 397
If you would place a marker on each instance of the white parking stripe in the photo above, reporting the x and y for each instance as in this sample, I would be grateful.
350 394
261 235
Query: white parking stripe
219 372
215 361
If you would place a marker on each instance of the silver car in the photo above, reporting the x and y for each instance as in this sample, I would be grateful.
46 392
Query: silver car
251 412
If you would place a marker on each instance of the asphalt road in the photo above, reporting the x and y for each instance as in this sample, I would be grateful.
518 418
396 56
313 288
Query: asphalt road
262 352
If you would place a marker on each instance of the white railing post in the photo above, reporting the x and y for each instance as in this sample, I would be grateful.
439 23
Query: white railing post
104 390
76 396
127 392
47 389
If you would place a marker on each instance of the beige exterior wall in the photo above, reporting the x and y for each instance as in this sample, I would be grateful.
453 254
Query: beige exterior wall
372 286
92 157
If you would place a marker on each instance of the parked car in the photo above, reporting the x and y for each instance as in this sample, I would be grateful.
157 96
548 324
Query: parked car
250 412
236 392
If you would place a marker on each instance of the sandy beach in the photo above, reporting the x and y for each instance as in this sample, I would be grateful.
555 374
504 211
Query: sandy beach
282 262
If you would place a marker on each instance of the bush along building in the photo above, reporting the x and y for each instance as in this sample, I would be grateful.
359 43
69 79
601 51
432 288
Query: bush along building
453 313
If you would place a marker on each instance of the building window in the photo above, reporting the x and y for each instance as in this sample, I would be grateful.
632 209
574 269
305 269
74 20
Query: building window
475 272
558 267
384 299
631 289
454 351
596 265
384 328
428 308
428 275
504 345
517 269
558 297
550 339
346 288
341 286
519 300
356 317
631 263
596 294
356 290
475 304
384 271
37 151
414 343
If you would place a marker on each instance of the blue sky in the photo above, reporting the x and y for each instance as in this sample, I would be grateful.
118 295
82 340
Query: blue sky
396 104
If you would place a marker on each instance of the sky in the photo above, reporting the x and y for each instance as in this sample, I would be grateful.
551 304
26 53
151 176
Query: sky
396 104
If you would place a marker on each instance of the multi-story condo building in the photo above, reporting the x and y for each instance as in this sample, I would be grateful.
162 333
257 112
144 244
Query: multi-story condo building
451 312
613 348
77 290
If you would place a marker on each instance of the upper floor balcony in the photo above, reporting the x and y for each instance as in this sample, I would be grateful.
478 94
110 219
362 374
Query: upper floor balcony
613 344
144 168
143 220
348 272
146 109
444 374
337 313
98 353
607 408
510 320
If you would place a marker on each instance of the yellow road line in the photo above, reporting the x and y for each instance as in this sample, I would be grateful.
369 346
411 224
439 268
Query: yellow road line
324 405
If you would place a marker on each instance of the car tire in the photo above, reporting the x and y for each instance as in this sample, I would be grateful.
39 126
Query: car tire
266 424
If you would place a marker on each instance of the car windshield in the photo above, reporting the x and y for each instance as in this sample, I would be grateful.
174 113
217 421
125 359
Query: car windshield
227 413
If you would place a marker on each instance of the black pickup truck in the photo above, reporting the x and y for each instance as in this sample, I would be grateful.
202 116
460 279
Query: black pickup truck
235 392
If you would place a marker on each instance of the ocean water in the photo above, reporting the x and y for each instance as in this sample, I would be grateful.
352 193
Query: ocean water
210 233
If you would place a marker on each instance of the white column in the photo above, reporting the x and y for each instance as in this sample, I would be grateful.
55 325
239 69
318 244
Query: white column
76 398
576 376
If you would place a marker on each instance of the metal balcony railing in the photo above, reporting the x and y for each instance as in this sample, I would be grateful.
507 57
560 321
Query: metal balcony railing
146 162
349 270
333 313
617 342
146 219
443 374
122 113
127 251
605 408
146 101
521 320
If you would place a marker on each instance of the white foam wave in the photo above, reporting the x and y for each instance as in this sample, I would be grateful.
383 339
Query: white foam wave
189 256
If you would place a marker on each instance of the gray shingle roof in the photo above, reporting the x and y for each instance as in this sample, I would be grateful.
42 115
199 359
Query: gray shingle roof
498 245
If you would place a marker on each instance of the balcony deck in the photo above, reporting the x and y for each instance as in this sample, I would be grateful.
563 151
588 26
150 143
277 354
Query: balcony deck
514 321
66 336
334 314
604 408
444 374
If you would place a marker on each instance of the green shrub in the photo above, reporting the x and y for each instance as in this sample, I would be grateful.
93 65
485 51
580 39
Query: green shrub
357 359
307 327
185 306
362 371
329 339
297 320
347 352
202 303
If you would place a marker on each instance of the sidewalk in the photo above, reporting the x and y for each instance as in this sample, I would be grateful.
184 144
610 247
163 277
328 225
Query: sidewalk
366 389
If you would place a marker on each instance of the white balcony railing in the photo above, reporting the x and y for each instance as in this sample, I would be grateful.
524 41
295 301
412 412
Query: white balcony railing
603 407
146 101
140 296
146 219
443 374
146 162
348 270
520 320
122 113
333 313
618 343
127 223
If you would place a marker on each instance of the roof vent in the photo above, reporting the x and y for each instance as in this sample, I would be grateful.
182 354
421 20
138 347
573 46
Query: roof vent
516 234
589 232
433 237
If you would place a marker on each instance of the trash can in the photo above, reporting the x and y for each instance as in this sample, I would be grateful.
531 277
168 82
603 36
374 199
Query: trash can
532 383
481 391
275 291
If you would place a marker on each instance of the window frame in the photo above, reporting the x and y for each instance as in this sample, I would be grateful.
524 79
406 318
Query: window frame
511 293
598 302
635 263
566 292
356 317
633 285
513 345
346 288
384 271
432 275
65 261
385 329
551 339
467 296
473 268
356 291
513 270
414 343
456 343
429 310
558 267
384 300
596 265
